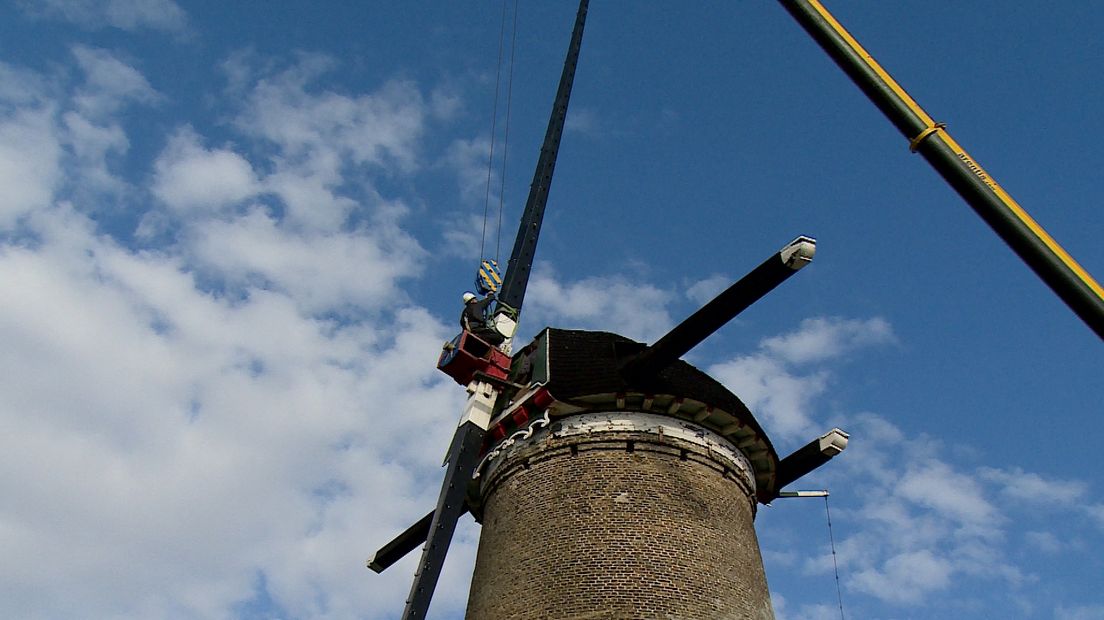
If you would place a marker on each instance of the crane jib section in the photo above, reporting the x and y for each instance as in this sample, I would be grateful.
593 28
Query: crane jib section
1069 280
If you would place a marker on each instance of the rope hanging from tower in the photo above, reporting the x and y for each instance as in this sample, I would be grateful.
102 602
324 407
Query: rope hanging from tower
835 566
831 537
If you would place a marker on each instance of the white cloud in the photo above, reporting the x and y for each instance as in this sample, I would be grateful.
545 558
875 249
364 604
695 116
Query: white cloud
122 14
109 83
803 612
1033 488
781 400
955 496
915 503
337 271
30 162
30 144
95 138
822 338
19 86
54 146
782 397
218 418
920 525
377 129
310 200
462 234
1046 542
582 120
150 417
703 291
1096 513
905 577
92 145
468 160
322 143
632 309
191 177
444 103
1079 612
781 606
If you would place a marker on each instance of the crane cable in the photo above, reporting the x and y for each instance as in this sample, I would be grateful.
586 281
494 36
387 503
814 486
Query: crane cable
506 136
835 566
494 133
494 121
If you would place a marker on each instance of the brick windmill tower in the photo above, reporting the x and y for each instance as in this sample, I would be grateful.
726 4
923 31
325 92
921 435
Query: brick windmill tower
612 479
623 482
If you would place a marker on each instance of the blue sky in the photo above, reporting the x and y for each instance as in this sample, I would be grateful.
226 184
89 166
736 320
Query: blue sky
233 237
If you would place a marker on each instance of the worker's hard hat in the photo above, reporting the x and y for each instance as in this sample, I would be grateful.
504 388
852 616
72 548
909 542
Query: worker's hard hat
469 297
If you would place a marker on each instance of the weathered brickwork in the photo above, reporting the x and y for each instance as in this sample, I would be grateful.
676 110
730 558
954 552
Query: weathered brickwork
617 525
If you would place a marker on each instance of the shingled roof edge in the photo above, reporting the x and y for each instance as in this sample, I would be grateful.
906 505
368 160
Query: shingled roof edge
585 363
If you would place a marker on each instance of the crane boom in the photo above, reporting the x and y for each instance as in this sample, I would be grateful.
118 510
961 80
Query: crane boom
512 292
989 200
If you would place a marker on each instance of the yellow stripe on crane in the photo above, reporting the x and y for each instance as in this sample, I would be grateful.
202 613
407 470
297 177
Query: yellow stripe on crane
873 64
1022 215
969 162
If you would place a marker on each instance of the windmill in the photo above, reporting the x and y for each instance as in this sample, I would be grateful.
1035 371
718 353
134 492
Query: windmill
552 390
612 477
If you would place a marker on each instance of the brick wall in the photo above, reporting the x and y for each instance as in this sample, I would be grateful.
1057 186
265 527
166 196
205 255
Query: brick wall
616 525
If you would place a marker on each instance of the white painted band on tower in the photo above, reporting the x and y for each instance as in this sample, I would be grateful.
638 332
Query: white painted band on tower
719 448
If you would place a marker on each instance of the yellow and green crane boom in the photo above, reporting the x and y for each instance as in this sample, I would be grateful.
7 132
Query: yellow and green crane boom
1069 280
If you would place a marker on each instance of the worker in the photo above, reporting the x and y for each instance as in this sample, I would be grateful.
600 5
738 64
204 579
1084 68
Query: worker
474 318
